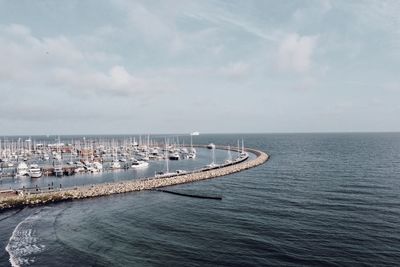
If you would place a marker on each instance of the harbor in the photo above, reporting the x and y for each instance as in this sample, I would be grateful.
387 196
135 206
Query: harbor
41 196
55 157
81 161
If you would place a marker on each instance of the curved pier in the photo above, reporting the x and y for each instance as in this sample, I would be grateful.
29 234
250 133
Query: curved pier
14 201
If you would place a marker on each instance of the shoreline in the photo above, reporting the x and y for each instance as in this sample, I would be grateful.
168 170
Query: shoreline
105 189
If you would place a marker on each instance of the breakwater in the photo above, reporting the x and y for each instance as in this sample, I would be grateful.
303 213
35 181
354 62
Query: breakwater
21 198
188 195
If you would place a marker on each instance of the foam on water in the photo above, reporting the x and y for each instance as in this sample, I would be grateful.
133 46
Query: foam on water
23 243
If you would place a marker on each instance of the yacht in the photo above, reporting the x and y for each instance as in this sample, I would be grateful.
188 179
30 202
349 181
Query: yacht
79 169
58 170
35 171
97 167
211 146
139 164
115 165
174 156
22 169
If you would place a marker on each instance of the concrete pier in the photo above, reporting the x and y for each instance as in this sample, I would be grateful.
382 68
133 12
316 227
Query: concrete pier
20 199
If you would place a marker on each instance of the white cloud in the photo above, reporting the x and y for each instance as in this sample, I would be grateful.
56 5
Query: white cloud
295 52
59 63
117 82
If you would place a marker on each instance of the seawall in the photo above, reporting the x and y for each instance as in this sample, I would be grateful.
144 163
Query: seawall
16 201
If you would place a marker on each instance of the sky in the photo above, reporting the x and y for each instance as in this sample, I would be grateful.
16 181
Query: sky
177 66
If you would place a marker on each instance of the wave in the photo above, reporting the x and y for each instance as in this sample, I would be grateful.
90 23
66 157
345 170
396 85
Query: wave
24 242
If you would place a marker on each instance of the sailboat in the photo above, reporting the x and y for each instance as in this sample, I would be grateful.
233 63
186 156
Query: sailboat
115 163
229 158
243 154
167 173
212 164
192 151
22 169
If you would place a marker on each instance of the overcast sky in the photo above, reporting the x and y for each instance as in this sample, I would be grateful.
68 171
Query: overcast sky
106 67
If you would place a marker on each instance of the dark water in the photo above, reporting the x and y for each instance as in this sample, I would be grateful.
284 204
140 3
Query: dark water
321 200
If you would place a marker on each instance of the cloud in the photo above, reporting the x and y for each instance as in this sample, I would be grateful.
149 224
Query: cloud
295 52
117 82
59 63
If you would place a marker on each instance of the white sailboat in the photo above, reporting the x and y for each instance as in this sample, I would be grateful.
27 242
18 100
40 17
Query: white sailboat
22 169
229 158
243 154
212 164
167 173
115 163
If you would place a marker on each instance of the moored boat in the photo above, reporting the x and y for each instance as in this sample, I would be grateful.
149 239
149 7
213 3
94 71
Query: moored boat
35 171
22 169
139 164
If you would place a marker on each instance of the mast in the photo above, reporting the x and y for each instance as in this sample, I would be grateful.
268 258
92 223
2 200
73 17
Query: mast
166 155
238 148
213 155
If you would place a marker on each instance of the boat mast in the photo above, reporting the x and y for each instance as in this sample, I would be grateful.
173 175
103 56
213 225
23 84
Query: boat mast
166 154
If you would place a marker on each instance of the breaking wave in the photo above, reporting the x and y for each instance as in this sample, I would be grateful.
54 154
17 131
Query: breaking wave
24 243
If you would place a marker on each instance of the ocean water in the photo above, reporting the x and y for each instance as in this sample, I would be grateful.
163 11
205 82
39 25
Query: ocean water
321 200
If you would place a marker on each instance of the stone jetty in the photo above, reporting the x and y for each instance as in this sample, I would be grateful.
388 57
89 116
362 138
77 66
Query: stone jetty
20 199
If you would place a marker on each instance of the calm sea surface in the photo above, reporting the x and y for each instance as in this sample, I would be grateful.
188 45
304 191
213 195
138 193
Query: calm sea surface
321 200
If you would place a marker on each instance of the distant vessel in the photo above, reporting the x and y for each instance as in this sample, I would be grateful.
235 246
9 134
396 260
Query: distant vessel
211 146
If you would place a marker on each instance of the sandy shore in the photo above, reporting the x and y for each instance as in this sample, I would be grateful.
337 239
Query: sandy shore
8 201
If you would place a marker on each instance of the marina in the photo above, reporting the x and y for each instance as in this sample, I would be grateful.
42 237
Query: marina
37 172
86 155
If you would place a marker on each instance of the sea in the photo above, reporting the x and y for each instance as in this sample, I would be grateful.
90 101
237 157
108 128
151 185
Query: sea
320 200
